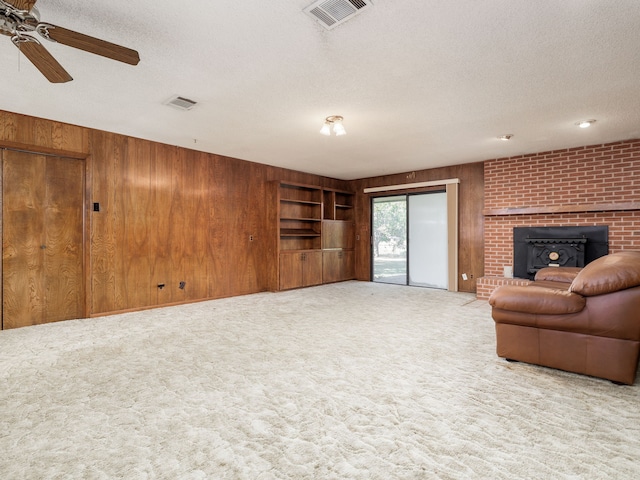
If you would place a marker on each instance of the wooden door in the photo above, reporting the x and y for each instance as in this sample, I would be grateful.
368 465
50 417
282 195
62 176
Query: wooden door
338 265
347 270
312 268
331 266
290 270
338 234
300 269
42 239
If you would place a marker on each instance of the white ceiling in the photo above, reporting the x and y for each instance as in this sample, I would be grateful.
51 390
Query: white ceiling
421 83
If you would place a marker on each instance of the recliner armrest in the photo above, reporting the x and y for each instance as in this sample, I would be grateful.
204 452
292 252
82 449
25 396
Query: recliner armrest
536 300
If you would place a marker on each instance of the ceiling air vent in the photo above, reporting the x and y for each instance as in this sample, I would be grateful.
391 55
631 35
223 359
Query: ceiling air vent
331 13
180 103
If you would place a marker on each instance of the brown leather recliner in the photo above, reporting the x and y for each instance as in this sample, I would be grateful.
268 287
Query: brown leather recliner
589 326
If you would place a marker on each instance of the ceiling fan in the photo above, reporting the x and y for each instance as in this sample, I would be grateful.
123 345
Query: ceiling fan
18 18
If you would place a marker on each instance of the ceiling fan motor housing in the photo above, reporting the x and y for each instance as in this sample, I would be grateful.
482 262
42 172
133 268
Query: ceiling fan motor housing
14 21
21 17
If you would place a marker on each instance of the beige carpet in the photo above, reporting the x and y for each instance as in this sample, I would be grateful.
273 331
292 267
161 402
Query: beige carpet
347 381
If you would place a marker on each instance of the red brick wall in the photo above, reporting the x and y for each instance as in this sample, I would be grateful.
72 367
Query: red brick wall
592 175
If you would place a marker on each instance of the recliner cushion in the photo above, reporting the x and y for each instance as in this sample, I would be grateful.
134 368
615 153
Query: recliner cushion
613 272
551 284
557 274
536 300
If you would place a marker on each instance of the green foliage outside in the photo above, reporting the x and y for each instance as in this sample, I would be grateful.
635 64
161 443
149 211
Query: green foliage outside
390 224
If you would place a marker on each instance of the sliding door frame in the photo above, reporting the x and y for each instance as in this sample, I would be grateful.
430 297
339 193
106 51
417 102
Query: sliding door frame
451 188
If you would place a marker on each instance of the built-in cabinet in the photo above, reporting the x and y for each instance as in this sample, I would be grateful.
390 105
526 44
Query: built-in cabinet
300 269
316 235
337 265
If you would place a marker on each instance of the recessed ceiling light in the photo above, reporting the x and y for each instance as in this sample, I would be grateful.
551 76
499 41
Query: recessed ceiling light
585 123
506 137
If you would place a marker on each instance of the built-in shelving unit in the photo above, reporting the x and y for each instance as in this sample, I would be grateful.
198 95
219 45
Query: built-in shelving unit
300 214
315 235
338 205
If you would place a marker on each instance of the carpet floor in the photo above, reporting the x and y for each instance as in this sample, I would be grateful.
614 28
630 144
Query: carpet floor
354 380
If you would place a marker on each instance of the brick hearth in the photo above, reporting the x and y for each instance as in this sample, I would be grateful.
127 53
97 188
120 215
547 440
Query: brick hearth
486 285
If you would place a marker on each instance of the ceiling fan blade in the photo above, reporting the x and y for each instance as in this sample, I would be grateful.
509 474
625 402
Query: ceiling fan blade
22 5
41 59
88 44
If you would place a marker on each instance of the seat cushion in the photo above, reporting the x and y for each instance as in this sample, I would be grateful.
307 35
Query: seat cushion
557 274
550 284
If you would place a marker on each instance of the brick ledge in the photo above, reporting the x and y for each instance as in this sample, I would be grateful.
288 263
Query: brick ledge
486 285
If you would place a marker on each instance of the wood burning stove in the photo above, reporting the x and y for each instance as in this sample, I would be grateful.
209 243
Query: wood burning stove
554 252
539 247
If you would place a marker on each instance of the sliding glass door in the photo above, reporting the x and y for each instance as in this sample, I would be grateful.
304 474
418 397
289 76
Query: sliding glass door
410 240
428 252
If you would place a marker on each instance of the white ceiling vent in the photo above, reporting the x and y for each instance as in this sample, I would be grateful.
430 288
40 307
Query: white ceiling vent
331 13
180 103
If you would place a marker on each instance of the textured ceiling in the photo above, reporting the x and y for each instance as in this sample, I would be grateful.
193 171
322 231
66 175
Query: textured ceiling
421 83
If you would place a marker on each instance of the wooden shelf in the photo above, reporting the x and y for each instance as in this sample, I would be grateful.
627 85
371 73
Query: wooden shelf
587 207
303 202
298 232
299 219
300 250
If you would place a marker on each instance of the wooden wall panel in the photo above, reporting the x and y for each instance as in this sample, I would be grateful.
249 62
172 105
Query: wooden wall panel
244 223
139 226
167 215
471 220
219 234
44 136
178 234
109 153
196 268
162 171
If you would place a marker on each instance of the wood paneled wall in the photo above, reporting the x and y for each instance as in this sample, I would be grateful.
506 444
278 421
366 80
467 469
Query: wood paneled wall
167 215
471 220
21 132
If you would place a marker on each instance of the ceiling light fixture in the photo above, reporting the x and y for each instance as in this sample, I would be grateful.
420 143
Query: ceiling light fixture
334 121
506 137
585 123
